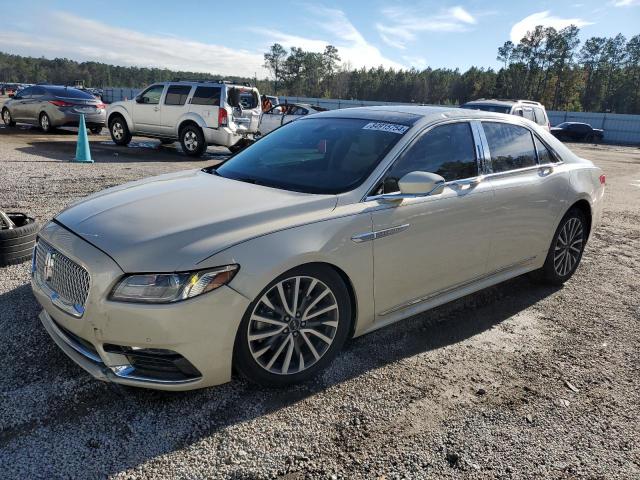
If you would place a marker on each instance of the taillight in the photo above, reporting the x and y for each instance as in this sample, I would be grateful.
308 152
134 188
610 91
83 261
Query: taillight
603 179
223 119
61 103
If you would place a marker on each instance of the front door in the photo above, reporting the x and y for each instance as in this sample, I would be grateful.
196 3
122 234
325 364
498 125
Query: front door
147 112
424 246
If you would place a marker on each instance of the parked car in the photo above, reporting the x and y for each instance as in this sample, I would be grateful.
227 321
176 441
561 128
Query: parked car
266 262
285 113
577 132
196 114
51 106
528 109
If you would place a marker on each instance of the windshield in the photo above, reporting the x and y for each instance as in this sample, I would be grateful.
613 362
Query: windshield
488 108
562 125
315 155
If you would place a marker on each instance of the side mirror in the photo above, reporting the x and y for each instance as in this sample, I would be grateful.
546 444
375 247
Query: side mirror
421 184
139 99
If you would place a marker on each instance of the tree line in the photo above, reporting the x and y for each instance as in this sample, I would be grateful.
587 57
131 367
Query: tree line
548 65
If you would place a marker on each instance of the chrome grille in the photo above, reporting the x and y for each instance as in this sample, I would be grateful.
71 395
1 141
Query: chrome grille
63 276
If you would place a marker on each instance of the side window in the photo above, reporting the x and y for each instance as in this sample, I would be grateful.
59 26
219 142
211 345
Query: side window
528 114
26 93
177 94
37 92
152 95
511 146
448 150
209 96
541 118
544 154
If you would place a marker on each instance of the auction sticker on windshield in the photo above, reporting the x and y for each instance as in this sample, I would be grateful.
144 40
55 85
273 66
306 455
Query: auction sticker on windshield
386 127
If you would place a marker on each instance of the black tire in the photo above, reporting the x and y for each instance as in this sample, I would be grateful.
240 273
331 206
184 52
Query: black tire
166 141
6 114
45 123
192 141
589 138
551 273
244 361
16 245
119 130
96 130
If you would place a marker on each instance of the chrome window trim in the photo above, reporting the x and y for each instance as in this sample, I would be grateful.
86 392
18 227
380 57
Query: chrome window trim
369 197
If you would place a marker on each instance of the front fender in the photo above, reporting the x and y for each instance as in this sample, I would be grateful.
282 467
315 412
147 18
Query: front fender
121 109
265 258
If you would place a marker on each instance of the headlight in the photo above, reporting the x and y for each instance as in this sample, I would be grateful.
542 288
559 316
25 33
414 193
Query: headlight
171 287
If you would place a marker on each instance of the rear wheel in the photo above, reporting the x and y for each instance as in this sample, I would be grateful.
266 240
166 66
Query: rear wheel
294 328
45 123
6 118
192 141
566 249
119 131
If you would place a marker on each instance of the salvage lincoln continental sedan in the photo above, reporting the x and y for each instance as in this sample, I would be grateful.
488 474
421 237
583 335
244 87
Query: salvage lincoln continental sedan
328 228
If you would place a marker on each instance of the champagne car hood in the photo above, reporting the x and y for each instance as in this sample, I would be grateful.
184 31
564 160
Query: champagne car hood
173 222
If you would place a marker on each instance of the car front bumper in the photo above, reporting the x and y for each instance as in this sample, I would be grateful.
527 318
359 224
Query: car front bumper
110 338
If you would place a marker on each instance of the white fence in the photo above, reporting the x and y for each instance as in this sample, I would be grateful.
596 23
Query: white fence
618 128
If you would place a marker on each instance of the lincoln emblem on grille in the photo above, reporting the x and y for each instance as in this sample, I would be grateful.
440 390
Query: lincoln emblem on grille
47 271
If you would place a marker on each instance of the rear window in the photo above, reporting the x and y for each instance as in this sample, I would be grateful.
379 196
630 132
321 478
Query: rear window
67 92
206 96
541 118
177 94
249 100
528 114
487 108
511 146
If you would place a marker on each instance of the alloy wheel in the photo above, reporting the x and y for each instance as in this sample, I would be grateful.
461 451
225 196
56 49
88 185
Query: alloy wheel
44 122
191 141
117 130
293 325
568 247
6 117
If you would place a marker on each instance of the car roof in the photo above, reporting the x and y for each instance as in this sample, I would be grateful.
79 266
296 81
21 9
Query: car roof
409 114
504 102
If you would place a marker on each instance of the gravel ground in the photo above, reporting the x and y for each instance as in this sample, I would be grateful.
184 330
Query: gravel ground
519 381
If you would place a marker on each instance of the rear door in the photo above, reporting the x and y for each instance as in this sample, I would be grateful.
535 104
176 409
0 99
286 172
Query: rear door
147 112
206 103
174 107
529 194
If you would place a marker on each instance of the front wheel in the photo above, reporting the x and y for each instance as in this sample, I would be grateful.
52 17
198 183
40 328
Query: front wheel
6 118
119 131
294 328
192 141
566 249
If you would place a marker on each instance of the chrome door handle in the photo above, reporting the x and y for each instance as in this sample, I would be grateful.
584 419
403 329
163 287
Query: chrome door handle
471 182
547 170
155 109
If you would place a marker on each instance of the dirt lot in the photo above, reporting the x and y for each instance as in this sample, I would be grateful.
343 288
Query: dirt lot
520 381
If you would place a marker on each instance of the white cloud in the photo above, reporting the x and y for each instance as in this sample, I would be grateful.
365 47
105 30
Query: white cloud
66 35
404 23
626 3
352 47
545 19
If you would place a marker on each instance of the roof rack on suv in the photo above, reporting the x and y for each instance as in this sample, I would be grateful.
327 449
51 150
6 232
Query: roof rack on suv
530 102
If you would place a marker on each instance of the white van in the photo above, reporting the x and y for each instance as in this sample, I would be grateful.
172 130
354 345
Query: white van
195 113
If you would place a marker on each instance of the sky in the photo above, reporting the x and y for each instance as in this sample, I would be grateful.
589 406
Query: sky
230 38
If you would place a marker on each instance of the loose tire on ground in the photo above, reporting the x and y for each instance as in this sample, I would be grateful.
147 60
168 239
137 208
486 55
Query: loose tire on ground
16 245
119 130
192 141
295 361
569 239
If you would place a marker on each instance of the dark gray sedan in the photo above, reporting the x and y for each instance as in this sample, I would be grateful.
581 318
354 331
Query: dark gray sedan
50 106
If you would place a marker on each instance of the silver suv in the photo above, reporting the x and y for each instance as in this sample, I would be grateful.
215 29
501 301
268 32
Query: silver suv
528 109
195 113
